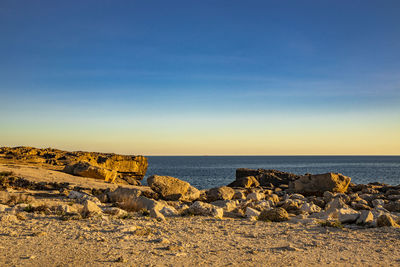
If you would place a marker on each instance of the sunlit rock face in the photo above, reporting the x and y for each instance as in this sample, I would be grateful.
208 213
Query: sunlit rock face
110 167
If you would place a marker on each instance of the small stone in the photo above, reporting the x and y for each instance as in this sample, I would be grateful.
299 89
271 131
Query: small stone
161 240
39 234
127 229
115 211
21 216
286 248
155 213
174 248
120 259
89 207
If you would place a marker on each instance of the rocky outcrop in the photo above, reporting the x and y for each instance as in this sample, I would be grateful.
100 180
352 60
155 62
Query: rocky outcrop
262 177
319 183
106 166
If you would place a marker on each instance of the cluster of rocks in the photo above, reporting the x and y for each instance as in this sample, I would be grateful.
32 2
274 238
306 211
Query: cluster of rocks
318 198
105 166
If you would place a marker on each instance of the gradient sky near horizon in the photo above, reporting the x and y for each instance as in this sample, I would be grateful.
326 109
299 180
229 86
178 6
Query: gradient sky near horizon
201 77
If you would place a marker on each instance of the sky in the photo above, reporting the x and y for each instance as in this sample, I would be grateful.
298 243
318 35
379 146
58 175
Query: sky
201 77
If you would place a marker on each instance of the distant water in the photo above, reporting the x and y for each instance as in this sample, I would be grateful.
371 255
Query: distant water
211 171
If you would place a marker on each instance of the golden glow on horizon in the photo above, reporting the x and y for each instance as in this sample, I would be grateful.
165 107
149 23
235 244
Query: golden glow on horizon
297 142
274 135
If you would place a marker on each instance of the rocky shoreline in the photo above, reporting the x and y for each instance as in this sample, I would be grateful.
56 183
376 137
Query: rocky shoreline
257 197
305 198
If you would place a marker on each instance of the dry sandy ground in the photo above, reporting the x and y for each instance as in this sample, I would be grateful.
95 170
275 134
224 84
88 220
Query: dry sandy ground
190 241
45 240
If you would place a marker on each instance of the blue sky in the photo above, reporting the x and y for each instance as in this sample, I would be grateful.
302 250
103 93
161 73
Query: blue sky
201 77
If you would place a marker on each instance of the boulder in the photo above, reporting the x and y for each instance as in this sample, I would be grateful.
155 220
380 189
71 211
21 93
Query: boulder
169 211
335 204
220 193
122 194
274 215
239 195
169 188
206 209
366 218
310 208
274 198
67 209
245 182
251 212
297 196
226 205
191 195
144 203
291 206
84 169
114 211
262 205
264 177
255 196
155 213
82 197
393 206
347 215
386 220
319 183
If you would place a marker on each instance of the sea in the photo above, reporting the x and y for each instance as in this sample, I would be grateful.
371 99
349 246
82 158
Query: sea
212 171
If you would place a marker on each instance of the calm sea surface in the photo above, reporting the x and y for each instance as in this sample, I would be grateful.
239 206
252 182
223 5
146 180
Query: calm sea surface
210 171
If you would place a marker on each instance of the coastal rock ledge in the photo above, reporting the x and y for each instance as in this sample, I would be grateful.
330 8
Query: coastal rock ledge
122 169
